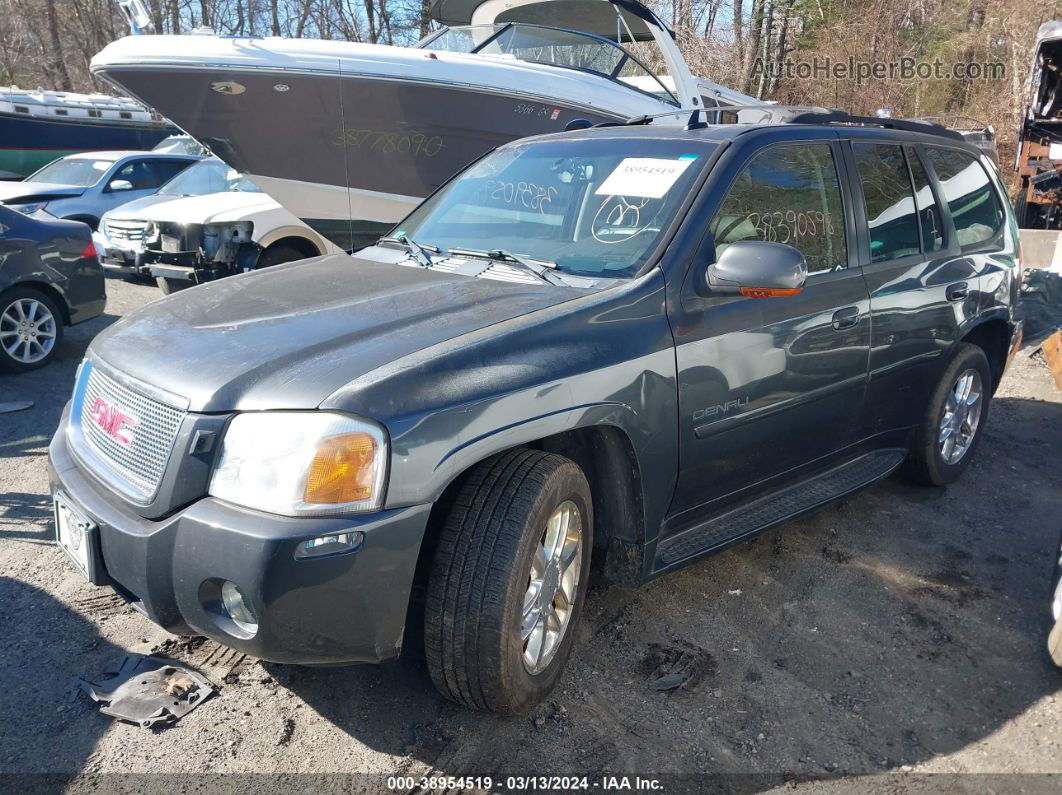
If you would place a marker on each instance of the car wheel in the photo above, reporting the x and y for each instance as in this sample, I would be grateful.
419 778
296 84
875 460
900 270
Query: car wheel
1054 637
276 254
953 424
170 286
31 329
508 581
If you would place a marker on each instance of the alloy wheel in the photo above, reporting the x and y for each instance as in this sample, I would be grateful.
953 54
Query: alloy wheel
961 416
552 587
27 330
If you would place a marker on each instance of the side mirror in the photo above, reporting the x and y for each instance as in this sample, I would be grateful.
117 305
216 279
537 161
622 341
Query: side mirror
120 184
757 269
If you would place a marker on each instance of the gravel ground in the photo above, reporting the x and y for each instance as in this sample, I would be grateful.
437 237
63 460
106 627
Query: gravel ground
895 633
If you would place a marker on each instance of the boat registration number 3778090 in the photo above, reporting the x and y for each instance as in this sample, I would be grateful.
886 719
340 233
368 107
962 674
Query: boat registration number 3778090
75 535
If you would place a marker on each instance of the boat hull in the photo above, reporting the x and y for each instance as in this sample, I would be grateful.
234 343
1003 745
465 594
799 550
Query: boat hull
348 154
30 142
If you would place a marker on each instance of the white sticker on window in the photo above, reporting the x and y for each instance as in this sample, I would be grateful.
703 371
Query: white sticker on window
644 177
102 165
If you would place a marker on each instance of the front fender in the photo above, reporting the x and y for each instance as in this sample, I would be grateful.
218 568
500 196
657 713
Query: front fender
605 358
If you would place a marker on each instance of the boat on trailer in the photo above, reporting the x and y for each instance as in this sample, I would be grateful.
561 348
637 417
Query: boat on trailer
37 127
351 136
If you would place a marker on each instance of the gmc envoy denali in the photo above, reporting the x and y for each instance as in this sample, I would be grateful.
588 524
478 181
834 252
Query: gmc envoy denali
643 342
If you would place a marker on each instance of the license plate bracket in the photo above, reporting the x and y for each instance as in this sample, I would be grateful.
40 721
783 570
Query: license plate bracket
78 537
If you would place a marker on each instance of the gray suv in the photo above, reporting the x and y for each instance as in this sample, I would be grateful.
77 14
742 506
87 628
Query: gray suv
640 343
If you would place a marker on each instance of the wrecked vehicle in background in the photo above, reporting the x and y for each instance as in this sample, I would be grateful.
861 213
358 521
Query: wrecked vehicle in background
206 223
1039 159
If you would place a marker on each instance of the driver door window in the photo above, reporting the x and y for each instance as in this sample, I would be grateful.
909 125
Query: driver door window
788 193
138 174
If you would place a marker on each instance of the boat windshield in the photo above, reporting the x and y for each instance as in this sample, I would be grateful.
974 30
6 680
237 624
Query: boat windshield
555 47
82 172
595 207
208 176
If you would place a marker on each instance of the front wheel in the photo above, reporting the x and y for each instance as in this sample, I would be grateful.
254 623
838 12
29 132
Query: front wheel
953 424
170 286
508 581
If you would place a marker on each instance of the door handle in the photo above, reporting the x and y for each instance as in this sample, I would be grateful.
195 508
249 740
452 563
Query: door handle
957 291
846 318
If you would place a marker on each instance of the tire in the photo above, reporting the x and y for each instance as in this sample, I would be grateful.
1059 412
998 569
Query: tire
31 329
170 286
926 462
481 574
276 254
1054 635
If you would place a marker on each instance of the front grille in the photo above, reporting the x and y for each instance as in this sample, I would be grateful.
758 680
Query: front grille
126 231
127 435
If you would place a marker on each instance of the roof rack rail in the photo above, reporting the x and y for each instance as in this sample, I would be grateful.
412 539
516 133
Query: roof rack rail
909 125
801 114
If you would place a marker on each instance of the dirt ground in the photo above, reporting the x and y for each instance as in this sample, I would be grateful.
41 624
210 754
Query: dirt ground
897 633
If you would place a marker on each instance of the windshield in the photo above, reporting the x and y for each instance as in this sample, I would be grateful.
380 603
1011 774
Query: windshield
81 171
208 176
554 47
595 207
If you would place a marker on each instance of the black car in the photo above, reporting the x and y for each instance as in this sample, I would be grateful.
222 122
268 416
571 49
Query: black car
49 278
649 342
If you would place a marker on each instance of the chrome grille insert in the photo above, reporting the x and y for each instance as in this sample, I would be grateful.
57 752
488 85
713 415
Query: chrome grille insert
126 231
124 436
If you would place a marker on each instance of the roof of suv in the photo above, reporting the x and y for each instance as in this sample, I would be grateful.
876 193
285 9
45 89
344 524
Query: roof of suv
714 133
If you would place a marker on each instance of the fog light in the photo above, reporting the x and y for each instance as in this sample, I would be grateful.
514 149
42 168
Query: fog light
237 608
325 546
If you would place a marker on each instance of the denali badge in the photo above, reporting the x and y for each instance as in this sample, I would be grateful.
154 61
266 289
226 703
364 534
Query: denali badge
720 409
114 422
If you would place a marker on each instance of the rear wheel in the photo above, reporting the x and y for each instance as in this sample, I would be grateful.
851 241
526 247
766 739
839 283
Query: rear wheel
952 426
508 581
31 328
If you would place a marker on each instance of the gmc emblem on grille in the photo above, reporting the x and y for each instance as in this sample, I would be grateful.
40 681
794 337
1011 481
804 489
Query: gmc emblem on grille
114 422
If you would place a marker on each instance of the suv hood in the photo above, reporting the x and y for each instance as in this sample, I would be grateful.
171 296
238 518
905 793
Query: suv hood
289 336
210 208
19 192
134 210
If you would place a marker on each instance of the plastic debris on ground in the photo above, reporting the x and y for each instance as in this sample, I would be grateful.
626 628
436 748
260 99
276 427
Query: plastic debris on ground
148 691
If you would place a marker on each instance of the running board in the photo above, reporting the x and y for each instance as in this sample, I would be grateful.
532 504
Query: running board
766 512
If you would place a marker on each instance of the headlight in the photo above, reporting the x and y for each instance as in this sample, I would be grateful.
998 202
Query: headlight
28 209
299 463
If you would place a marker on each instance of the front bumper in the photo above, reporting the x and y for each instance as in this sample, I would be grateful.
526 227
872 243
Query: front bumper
342 609
114 259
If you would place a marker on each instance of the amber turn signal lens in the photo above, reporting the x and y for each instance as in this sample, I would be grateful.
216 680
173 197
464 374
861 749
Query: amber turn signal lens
343 470
769 292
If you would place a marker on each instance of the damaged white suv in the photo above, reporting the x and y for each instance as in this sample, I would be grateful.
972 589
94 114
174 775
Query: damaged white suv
205 223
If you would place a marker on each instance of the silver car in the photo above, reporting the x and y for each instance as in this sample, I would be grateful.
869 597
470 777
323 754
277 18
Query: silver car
84 186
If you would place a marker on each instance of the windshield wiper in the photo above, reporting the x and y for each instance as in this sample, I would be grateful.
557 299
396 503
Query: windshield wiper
414 248
540 268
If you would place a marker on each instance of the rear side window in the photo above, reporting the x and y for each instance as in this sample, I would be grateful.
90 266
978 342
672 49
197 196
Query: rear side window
889 201
929 215
973 201
788 193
